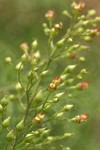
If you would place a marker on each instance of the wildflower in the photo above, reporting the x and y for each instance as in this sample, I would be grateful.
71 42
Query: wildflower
49 15
95 32
55 82
58 26
83 85
79 7
24 47
39 117
81 118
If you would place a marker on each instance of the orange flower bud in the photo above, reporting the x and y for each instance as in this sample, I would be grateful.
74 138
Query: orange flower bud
39 117
83 85
49 15
81 118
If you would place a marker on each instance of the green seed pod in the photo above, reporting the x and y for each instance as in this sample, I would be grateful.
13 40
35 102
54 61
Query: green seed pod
82 59
39 97
60 43
8 60
59 95
6 122
60 114
10 136
20 125
67 107
19 66
28 138
67 134
70 68
18 86
24 57
34 44
1 108
44 73
4 101
91 12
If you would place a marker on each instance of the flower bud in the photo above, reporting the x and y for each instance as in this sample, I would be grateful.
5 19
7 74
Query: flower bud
39 97
91 12
8 60
20 125
10 136
82 59
50 138
34 44
67 134
38 118
80 118
60 43
87 38
1 108
24 47
44 73
24 57
69 68
45 133
63 77
82 85
78 6
18 86
59 95
12 97
28 138
19 66
50 15
97 19
67 107
60 114
6 122
4 101
66 13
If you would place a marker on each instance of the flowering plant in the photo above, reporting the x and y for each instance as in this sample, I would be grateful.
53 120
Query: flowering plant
39 92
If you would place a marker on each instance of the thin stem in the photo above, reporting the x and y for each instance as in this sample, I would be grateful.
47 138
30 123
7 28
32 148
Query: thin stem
46 100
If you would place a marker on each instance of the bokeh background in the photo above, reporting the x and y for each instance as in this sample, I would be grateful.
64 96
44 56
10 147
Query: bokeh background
20 21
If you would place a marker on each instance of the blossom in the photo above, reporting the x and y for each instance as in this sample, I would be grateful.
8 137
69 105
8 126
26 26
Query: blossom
83 85
79 7
81 118
49 15
39 117
55 82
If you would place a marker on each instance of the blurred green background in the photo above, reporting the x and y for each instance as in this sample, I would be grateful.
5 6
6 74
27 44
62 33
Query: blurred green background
20 21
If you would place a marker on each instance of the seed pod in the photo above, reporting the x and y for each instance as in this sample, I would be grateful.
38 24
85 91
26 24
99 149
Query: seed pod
19 66
18 86
67 107
1 108
20 125
39 97
59 114
28 138
44 73
6 122
4 101
8 60
34 44
10 136
60 43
